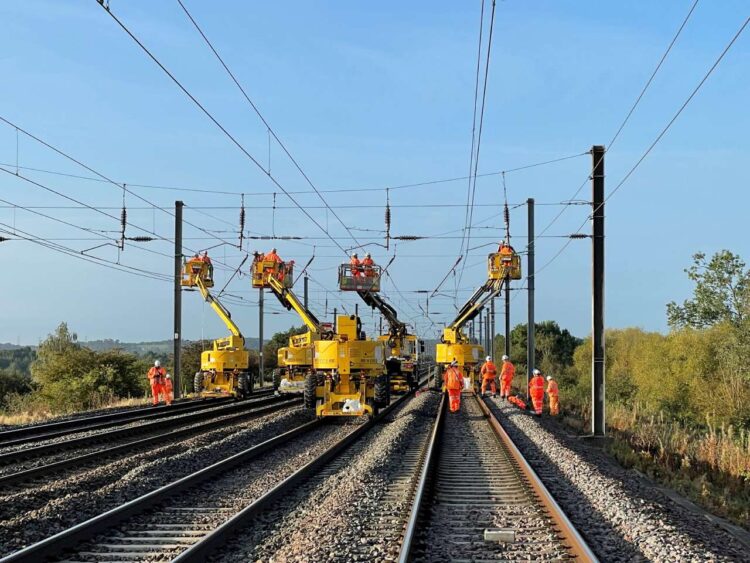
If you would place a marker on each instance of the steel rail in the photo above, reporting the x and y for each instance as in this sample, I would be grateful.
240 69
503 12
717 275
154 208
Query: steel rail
565 529
203 414
55 545
429 460
199 551
53 429
171 436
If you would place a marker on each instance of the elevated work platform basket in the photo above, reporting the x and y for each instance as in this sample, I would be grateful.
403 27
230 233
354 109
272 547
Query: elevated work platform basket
283 272
359 278
506 263
192 270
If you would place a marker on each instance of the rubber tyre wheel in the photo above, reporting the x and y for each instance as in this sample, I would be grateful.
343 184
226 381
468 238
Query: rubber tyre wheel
198 382
243 386
311 384
382 391
276 379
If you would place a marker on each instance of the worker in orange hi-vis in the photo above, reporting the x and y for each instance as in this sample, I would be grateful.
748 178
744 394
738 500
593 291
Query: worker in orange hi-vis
356 266
454 382
506 377
367 265
536 391
554 396
488 372
168 390
272 257
156 376
205 258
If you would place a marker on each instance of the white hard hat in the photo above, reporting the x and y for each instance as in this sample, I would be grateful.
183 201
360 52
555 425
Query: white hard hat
157 364
549 378
537 372
505 357
168 376
367 255
488 359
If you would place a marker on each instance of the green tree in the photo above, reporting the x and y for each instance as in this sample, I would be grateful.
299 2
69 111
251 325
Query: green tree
70 377
721 293
278 340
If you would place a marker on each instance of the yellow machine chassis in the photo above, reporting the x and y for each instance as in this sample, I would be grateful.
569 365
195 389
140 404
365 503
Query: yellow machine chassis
193 269
217 367
350 367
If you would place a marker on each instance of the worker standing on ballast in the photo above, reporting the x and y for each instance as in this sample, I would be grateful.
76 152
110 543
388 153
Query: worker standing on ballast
454 383
156 376
536 392
168 390
506 377
489 372
554 396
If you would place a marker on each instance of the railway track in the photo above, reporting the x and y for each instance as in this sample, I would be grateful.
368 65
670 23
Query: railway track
11 482
189 518
177 418
477 499
52 430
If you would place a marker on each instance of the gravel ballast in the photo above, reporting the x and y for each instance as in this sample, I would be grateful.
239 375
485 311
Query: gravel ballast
30 516
355 508
621 516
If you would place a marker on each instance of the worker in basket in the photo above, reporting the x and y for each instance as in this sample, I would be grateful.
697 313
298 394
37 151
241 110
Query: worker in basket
355 266
209 265
554 396
507 372
156 377
505 248
536 392
276 259
368 266
488 372
454 382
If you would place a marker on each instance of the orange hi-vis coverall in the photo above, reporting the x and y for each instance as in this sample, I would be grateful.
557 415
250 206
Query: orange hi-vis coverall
367 265
168 390
156 376
506 378
356 267
488 372
536 390
454 382
554 397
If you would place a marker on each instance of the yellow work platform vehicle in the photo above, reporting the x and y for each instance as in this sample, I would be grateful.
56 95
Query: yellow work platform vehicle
455 345
225 368
403 350
338 367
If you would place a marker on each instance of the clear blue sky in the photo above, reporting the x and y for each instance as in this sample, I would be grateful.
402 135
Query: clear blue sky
367 95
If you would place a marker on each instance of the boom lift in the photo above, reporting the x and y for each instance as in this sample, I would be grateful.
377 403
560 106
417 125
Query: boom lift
344 367
403 349
224 368
296 360
502 266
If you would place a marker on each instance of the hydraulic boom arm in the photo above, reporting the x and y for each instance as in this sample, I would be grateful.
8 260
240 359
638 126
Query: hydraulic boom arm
476 303
216 305
397 328
290 301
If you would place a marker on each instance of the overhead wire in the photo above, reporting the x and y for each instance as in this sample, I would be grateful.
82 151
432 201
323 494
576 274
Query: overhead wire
263 119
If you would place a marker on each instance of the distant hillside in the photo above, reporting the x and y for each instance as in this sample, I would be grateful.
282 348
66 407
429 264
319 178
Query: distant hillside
142 348
9 346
